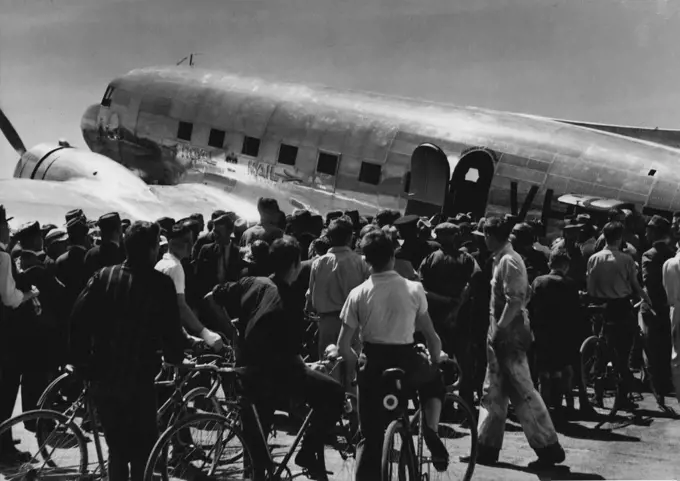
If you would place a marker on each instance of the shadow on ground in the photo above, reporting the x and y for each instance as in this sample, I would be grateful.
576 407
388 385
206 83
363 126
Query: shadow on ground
578 431
556 473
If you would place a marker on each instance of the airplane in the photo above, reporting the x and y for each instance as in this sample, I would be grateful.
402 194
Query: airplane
324 149
52 178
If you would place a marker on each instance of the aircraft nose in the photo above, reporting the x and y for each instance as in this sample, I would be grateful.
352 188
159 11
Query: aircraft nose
88 124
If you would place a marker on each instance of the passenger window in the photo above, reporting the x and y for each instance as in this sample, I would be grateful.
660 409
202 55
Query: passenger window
185 130
370 173
328 163
106 100
287 154
216 138
251 146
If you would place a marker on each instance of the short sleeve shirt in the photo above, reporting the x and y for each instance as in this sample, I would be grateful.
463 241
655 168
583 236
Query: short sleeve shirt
610 274
172 267
385 308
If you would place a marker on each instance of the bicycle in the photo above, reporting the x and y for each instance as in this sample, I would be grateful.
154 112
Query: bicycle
412 462
599 373
226 454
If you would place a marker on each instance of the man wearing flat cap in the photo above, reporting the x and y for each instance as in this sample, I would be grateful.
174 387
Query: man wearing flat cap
415 248
268 229
110 251
29 241
446 276
655 320
70 266
219 261
56 243
206 237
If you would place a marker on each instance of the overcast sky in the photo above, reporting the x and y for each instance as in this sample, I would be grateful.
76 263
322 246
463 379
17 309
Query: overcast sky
612 61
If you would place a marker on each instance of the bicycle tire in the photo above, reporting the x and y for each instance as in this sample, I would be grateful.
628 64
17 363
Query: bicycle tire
406 464
159 453
48 396
465 424
596 350
43 418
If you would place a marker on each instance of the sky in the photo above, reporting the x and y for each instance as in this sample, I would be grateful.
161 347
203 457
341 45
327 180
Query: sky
610 61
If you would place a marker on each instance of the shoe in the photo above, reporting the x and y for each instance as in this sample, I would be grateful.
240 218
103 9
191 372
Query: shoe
486 456
438 453
549 456
13 456
315 467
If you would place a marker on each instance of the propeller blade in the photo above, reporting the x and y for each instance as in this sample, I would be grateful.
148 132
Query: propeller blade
11 134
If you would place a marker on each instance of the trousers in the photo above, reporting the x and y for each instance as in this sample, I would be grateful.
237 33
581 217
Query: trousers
508 379
656 333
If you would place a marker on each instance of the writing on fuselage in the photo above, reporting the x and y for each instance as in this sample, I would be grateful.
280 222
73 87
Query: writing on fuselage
194 157
263 170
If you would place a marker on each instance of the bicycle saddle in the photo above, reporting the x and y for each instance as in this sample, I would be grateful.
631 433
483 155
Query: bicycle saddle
394 374
596 307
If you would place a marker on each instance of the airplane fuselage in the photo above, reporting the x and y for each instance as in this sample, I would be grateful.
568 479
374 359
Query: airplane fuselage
324 149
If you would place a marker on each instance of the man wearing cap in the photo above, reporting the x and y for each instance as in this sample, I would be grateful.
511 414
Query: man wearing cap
655 319
268 228
523 239
55 245
414 249
219 261
179 248
109 252
207 237
13 293
70 266
446 276
29 242
508 376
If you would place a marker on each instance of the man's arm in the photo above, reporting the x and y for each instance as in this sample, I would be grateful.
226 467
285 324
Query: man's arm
82 320
218 316
173 339
637 288
350 323
514 288
9 294
425 326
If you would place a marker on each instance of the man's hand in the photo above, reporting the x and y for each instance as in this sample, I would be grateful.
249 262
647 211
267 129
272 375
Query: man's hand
212 339
33 293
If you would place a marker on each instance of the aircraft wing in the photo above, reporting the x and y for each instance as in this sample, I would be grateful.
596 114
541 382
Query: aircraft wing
668 137
48 201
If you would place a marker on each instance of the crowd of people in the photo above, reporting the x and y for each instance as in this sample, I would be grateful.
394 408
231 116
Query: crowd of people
110 295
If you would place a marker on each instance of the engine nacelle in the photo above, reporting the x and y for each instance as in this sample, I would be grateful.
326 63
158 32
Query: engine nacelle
61 162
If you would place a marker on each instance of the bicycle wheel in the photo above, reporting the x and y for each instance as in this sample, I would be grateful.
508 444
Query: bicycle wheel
210 451
458 432
57 450
61 393
598 374
398 462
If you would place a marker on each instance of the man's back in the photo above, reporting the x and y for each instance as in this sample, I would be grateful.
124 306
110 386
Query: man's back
266 232
385 307
610 274
555 302
333 277
121 320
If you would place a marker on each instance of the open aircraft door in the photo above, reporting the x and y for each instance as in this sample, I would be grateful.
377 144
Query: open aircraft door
428 184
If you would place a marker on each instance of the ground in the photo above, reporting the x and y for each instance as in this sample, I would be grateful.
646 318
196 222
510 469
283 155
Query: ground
633 449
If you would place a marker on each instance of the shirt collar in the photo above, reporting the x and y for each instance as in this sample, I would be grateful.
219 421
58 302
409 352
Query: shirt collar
506 249
169 255
384 275
336 250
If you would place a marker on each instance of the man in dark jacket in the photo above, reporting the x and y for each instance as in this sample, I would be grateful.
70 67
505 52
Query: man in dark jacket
70 267
122 318
109 252
270 325
656 324
220 261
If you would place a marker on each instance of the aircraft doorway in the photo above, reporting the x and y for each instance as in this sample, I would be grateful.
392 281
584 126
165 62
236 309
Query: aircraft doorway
470 184
428 182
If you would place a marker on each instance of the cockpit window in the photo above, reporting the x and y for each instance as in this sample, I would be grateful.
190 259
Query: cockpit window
106 100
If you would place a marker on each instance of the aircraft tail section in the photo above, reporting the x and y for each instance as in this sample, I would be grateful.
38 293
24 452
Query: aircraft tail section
667 137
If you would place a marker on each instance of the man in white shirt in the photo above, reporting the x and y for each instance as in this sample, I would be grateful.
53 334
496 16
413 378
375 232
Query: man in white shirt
388 309
671 282
10 371
179 247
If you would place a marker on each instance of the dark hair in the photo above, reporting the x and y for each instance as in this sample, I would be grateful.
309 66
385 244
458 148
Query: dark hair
266 204
140 239
319 246
284 253
614 214
559 258
259 250
378 248
498 228
340 231
613 232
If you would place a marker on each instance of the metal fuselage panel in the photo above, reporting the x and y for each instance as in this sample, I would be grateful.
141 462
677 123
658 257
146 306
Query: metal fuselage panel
140 130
